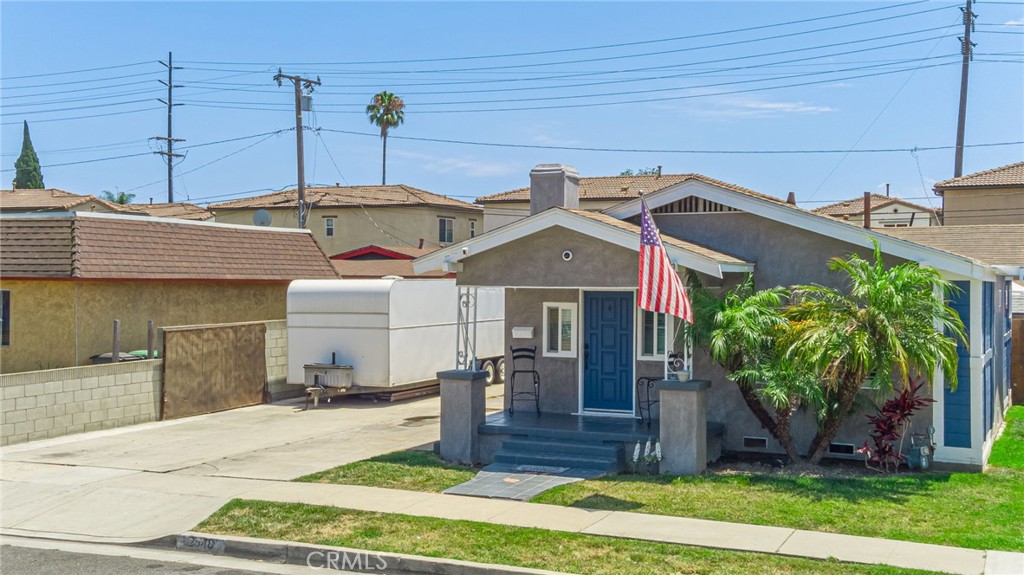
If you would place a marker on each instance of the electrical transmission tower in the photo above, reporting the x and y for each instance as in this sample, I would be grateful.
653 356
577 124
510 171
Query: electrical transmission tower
170 140
967 50
300 85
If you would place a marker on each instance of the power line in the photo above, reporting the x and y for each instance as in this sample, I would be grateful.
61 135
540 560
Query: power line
81 81
84 117
605 46
666 151
76 71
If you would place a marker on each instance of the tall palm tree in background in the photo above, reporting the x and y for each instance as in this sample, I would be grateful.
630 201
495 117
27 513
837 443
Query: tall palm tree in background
386 111
890 323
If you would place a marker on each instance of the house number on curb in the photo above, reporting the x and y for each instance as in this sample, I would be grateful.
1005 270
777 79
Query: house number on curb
193 543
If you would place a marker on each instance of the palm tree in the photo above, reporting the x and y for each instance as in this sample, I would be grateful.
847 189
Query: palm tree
386 112
118 198
891 323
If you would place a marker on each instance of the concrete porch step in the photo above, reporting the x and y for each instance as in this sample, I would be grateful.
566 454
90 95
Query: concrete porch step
541 445
607 464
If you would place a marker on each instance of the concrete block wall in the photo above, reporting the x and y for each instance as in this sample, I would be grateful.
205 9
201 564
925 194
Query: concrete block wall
277 362
55 402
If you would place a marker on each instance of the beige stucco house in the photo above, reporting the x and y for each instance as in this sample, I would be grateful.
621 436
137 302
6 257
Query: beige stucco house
65 278
994 196
344 218
54 200
886 212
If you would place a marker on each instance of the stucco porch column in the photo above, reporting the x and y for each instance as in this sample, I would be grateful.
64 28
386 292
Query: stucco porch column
683 427
463 402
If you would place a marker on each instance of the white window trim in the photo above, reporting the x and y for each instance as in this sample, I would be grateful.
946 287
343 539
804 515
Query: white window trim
451 228
472 228
574 327
329 227
640 355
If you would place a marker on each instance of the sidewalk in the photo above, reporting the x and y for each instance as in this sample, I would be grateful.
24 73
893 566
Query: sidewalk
154 480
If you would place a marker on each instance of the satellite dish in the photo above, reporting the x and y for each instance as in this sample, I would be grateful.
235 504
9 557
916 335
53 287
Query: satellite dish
261 218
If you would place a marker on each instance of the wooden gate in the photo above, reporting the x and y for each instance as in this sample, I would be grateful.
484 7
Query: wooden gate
213 367
1017 361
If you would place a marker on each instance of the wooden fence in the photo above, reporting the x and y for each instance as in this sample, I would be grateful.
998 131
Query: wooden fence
211 368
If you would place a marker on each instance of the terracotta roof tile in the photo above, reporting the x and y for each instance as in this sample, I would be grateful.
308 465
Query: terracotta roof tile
624 188
49 199
349 196
1009 175
856 206
688 246
989 244
93 246
180 211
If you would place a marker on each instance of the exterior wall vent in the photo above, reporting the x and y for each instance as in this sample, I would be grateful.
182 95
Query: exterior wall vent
755 442
842 448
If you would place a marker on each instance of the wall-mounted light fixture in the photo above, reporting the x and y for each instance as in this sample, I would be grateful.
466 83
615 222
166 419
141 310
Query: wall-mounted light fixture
567 255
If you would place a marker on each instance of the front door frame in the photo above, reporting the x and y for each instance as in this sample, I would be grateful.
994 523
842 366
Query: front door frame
581 340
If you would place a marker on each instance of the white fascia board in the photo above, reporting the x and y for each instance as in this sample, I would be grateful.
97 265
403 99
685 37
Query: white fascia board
568 220
814 223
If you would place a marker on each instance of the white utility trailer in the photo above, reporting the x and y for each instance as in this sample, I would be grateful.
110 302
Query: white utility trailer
391 334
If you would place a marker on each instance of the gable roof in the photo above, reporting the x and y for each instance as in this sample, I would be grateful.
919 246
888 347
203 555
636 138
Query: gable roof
617 188
855 207
49 199
599 226
1009 175
105 246
348 197
178 210
385 252
810 221
998 245
376 269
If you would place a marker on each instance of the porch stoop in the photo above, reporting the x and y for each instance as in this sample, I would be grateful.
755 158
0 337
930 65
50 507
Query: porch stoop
547 452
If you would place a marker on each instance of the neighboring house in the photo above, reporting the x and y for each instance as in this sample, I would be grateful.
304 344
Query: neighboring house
67 276
178 210
994 196
53 200
375 262
571 282
344 218
595 194
886 212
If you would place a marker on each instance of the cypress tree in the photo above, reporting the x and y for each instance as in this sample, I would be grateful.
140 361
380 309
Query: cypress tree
28 175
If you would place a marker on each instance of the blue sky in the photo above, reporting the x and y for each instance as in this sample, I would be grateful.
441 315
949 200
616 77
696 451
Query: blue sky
662 77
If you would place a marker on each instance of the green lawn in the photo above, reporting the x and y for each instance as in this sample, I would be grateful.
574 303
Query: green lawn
975 510
410 470
486 543
1009 450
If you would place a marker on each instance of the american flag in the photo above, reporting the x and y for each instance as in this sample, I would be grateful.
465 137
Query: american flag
661 290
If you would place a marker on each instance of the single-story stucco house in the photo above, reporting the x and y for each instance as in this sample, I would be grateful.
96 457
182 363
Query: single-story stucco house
571 279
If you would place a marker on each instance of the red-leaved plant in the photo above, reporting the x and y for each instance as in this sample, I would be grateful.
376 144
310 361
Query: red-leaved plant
890 425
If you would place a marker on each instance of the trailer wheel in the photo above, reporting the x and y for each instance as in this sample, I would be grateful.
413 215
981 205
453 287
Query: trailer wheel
492 373
501 370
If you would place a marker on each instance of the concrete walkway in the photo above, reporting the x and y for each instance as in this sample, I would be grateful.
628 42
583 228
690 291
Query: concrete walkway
160 479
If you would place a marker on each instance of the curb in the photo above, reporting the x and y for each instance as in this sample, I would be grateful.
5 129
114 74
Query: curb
331 558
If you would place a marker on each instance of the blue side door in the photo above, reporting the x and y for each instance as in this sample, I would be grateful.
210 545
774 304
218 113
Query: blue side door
608 351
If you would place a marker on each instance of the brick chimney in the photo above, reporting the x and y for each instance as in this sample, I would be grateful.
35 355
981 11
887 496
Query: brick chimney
554 185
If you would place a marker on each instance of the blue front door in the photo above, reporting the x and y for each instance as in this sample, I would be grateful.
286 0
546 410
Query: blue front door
608 351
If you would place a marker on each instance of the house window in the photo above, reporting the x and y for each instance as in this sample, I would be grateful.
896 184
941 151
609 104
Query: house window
560 329
472 228
652 335
5 318
445 230
329 227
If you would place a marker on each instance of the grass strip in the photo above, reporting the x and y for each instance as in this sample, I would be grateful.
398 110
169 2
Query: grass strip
409 470
1008 450
498 544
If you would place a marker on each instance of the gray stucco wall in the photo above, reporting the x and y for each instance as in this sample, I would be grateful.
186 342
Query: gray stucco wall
559 375
537 261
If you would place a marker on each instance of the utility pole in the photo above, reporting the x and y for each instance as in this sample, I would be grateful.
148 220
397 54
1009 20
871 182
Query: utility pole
169 152
967 50
300 84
